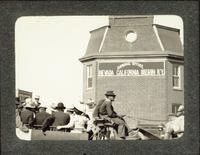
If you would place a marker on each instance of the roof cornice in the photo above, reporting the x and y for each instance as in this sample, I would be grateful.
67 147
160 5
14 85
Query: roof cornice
92 57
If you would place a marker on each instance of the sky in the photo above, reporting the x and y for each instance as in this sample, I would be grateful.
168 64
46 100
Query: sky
47 51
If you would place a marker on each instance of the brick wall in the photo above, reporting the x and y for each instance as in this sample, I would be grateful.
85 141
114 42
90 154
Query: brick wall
174 95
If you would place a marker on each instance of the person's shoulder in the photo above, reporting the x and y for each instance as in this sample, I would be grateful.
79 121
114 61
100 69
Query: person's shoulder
101 101
66 114
107 102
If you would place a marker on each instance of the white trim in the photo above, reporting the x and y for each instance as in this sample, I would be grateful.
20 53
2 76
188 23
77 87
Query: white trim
121 61
159 41
179 87
87 76
104 36
133 59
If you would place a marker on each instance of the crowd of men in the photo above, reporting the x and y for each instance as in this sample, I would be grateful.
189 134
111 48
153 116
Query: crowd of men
32 114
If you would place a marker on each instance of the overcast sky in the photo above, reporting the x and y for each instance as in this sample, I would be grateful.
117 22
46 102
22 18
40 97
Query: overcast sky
47 52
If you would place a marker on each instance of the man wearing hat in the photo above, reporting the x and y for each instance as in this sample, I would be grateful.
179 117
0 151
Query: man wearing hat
41 115
37 102
27 114
61 118
105 110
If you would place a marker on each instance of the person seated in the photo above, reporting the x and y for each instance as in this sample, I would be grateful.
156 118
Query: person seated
40 116
105 110
57 118
27 114
77 122
61 118
175 128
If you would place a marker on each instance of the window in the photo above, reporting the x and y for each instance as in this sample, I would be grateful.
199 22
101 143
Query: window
176 76
89 76
175 107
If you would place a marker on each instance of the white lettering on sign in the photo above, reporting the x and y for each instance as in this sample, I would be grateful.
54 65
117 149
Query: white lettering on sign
133 69
129 64
128 72
160 72
148 72
105 73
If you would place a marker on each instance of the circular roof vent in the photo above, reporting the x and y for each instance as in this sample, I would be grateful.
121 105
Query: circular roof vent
131 36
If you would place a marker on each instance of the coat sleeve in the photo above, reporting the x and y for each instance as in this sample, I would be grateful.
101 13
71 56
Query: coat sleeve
110 110
96 112
31 119
47 123
68 118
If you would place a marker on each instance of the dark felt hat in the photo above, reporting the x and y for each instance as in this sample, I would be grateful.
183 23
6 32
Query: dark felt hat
60 106
110 93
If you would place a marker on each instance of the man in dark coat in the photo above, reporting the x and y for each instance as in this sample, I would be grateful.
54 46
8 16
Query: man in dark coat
41 115
96 111
61 118
106 110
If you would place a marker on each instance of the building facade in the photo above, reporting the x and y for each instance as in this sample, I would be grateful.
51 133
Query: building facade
22 94
141 62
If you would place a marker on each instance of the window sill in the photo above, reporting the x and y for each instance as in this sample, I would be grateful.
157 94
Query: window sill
89 88
178 89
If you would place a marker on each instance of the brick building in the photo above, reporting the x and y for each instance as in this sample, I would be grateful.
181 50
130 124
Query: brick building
141 62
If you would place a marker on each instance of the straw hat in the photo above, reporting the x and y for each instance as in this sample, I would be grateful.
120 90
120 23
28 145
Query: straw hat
29 103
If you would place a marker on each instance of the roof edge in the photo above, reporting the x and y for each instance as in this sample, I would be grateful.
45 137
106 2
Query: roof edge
100 28
168 28
91 57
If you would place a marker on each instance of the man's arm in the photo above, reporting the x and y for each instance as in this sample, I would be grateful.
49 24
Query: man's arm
70 125
96 110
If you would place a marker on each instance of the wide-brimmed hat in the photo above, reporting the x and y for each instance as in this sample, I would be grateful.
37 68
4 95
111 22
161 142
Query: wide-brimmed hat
29 103
60 106
110 93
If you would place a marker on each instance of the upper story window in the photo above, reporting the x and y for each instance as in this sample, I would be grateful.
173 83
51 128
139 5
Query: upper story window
89 76
176 76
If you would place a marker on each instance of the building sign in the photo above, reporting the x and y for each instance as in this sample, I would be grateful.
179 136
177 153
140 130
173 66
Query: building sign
131 68
22 94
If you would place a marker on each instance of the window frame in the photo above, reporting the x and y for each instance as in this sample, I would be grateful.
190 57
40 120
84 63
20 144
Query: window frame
89 74
176 74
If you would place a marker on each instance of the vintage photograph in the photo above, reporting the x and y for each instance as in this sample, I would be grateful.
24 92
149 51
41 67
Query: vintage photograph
99 77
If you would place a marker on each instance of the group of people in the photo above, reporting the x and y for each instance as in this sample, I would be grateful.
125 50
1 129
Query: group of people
31 114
